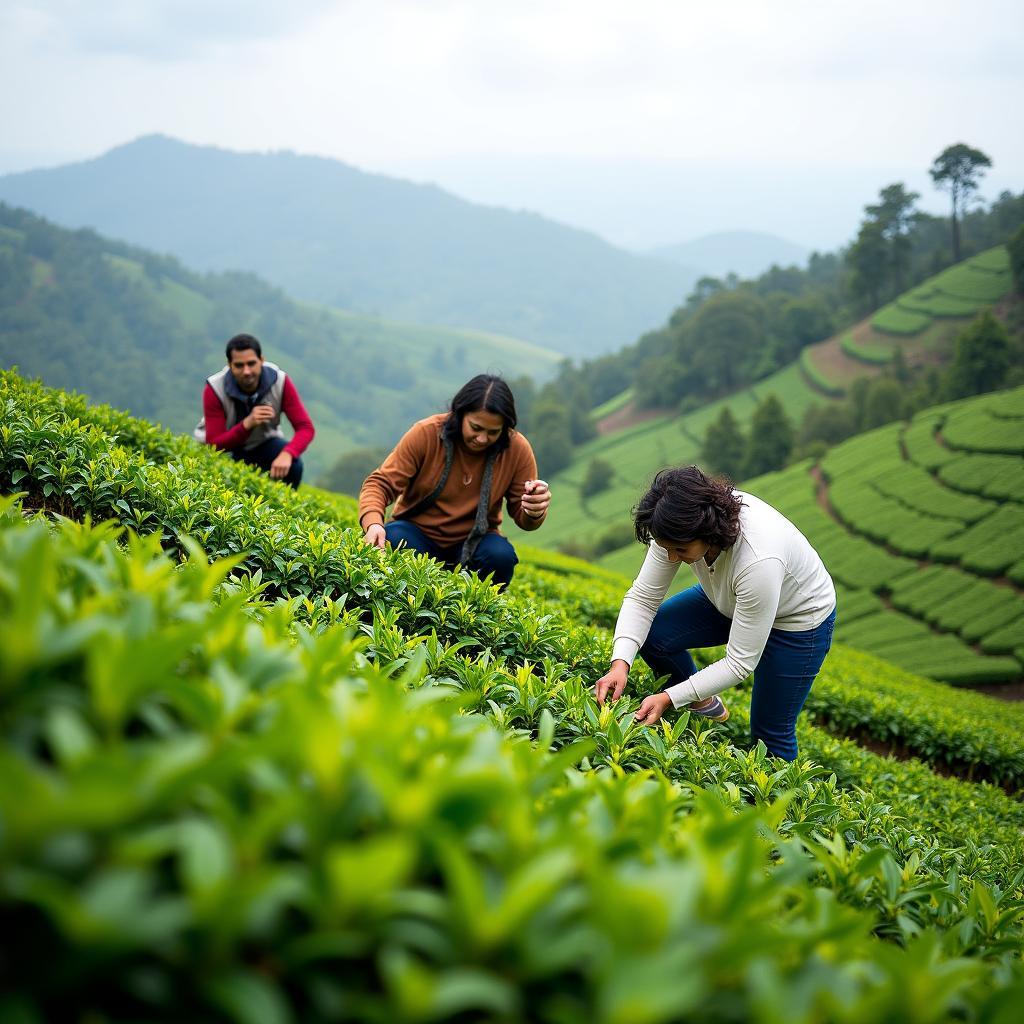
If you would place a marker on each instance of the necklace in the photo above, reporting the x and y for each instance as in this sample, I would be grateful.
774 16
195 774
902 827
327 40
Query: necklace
467 478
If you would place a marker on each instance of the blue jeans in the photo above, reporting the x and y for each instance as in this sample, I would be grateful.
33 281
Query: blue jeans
264 454
782 678
494 555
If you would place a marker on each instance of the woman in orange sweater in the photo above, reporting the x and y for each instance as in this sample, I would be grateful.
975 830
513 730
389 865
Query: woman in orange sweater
447 478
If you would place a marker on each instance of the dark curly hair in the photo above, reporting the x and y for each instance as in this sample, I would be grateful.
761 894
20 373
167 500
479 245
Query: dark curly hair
685 504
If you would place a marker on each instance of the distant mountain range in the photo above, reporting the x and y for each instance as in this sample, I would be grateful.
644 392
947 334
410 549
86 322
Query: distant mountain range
332 234
744 253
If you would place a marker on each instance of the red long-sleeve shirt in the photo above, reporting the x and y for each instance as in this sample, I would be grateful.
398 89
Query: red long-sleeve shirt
228 440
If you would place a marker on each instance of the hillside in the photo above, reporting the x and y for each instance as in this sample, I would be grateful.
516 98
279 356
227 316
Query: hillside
640 442
921 324
332 234
141 332
922 525
315 781
639 450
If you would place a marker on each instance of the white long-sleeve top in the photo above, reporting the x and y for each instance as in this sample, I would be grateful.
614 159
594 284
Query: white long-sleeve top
770 578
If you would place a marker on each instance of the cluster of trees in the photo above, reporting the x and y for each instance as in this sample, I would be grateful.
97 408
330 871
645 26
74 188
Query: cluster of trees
767 446
987 357
898 245
730 333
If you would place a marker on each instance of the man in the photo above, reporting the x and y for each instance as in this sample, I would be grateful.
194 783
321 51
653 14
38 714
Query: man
242 406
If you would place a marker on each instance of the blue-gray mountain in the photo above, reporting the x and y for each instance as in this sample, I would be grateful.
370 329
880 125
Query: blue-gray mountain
330 233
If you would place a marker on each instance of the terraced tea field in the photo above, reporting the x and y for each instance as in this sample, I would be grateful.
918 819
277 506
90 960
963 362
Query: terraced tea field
922 526
921 321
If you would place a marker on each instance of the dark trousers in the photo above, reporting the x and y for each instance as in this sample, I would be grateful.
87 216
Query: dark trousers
783 676
493 557
264 454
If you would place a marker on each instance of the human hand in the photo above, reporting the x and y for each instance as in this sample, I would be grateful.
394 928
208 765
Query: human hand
536 498
259 414
613 681
281 466
652 708
376 536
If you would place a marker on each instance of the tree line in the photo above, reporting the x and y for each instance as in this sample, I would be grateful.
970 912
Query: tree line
731 333
987 357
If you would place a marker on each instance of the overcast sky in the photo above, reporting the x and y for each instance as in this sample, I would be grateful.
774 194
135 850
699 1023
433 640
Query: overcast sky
647 121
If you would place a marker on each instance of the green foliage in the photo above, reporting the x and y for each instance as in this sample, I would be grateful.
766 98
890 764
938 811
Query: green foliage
1015 248
817 378
551 434
875 355
771 438
599 476
899 492
982 356
216 804
880 257
346 476
725 448
957 170
893 319
963 731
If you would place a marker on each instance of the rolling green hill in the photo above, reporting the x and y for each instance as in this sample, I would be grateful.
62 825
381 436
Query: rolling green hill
331 234
311 781
922 526
639 451
921 324
139 331
822 374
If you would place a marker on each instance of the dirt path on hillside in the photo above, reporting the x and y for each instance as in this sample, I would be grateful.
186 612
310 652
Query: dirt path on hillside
835 365
627 416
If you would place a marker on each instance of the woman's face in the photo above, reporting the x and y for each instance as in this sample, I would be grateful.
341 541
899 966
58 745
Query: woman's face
481 429
689 551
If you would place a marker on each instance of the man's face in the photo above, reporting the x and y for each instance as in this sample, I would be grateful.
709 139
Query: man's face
246 367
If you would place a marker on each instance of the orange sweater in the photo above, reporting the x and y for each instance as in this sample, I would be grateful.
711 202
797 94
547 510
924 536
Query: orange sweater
412 471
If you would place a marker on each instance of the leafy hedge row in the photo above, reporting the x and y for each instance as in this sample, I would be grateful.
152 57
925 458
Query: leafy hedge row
873 354
204 819
816 378
960 291
978 428
893 319
1000 477
479 641
584 605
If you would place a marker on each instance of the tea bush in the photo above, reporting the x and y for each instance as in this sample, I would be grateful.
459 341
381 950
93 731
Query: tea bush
317 781
204 817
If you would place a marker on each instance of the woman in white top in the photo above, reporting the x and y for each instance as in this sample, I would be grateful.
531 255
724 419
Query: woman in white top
762 591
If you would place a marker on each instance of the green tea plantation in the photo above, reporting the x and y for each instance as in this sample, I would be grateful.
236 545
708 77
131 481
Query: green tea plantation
256 771
922 526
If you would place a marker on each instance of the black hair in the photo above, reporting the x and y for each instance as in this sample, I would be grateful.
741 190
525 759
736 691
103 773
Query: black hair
684 504
241 342
484 393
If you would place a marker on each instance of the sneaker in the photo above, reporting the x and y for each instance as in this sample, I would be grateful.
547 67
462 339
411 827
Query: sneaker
713 708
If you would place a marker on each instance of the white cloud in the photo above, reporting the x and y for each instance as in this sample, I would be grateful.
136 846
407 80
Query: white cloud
390 84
